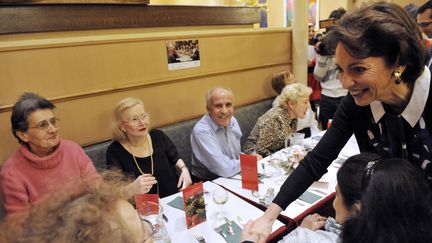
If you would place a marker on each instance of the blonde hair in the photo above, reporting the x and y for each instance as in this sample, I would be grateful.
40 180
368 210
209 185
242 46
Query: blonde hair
281 79
84 211
124 104
293 92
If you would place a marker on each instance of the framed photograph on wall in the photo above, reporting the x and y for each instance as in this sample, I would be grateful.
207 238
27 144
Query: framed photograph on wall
183 54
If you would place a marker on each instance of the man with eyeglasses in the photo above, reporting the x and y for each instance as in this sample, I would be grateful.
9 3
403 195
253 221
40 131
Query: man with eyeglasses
424 18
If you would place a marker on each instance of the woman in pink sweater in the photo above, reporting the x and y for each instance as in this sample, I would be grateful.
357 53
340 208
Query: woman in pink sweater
44 163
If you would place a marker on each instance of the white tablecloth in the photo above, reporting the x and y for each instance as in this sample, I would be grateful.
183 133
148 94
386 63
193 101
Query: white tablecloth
233 208
323 187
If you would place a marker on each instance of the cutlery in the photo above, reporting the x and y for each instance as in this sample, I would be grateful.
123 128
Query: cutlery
199 238
230 229
165 217
219 231
240 220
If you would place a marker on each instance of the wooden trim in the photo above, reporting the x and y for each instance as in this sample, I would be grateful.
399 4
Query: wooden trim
68 41
7 108
69 17
32 2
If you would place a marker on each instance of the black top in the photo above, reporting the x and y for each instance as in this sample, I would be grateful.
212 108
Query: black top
165 157
391 137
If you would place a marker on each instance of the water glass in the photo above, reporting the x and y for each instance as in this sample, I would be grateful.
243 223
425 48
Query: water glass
220 197
153 213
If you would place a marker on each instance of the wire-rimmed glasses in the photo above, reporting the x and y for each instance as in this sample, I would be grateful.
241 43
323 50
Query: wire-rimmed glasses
45 124
135 120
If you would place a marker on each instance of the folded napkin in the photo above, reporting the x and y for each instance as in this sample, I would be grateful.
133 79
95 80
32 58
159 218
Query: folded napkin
177 203
309 197
232 238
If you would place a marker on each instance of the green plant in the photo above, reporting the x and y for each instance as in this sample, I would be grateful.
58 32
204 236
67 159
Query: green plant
255 3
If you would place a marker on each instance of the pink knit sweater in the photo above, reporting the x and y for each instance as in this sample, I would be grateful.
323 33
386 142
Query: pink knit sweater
25 178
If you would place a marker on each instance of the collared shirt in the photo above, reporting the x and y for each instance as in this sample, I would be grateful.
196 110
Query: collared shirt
215 149
416 105
404 135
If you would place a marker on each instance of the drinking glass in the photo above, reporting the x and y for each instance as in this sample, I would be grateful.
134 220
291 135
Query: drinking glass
153 213
277 162
220 197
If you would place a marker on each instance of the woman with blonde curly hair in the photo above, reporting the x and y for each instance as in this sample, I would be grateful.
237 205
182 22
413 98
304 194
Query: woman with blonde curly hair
272 128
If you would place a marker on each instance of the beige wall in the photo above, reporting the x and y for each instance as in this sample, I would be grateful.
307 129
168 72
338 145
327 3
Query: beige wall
87 73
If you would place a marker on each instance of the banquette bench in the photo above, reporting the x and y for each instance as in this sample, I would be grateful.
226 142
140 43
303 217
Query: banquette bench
180 133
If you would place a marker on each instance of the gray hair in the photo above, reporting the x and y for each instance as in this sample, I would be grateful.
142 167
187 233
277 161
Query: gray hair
27 104
293 92
212 90
124 104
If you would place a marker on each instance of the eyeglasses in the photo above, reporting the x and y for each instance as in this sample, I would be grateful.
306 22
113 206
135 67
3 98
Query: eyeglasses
424 24
136 119
147 228
44 125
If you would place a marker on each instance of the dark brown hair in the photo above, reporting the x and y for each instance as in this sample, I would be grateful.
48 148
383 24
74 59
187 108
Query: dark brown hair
382 30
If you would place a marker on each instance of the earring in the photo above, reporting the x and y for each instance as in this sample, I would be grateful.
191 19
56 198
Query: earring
397 73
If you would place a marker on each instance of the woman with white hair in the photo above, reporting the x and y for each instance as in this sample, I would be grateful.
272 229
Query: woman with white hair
139 151
272 128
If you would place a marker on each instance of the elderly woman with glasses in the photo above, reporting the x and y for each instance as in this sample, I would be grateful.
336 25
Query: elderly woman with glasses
39 164
139 151
43 162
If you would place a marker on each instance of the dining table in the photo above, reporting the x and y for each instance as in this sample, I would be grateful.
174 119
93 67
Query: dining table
235 210
270 177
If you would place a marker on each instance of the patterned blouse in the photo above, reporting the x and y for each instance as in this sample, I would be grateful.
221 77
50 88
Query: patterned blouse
270 132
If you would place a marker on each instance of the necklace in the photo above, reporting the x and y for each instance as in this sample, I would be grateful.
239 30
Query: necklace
136 163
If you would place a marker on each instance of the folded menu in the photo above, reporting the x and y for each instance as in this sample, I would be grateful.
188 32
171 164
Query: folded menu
140 199
194 204
249 171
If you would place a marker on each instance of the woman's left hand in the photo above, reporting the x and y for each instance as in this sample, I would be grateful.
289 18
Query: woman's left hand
184 179
314 222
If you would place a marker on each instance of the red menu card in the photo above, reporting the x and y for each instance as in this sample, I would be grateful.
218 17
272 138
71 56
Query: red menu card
194 204
140 198
249 171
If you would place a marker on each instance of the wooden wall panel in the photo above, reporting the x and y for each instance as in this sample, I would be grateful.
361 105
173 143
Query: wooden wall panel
87 76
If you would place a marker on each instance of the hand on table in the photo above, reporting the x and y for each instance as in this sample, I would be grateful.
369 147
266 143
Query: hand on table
313 222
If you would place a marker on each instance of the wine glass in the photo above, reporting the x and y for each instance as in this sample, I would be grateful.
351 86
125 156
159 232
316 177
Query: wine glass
220 197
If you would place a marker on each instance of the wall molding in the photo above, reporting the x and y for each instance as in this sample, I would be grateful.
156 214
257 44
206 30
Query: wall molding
94 93
15 19
70 41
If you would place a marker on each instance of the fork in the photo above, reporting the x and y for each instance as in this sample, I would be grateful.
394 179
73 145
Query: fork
230 229
220 231
199 238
